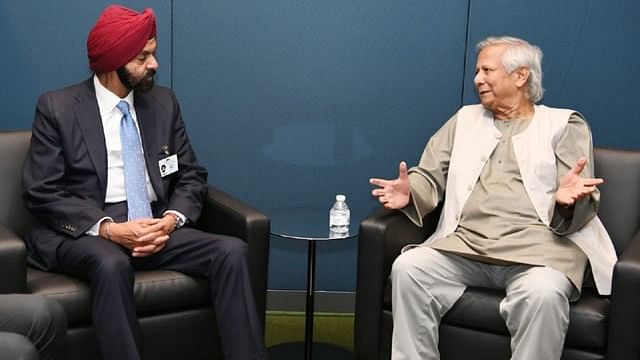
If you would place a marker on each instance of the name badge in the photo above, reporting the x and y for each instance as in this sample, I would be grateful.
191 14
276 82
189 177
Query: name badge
168 165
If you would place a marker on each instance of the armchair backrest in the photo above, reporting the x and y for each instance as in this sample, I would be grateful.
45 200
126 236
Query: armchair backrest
620 193
14 146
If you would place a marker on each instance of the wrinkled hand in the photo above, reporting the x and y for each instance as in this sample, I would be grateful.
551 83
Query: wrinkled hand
143 237
393 194
573 187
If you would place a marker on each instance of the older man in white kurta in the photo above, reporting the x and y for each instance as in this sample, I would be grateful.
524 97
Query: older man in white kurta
518 213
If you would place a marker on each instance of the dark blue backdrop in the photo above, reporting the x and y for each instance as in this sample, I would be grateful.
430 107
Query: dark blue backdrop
289 102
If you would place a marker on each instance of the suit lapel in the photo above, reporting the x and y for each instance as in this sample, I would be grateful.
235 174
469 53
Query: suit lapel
150 142
89 121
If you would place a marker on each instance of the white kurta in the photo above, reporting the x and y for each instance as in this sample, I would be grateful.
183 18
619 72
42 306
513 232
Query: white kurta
469 156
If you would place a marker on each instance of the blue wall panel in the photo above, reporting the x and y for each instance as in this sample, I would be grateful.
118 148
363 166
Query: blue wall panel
43 47
591 52
291 102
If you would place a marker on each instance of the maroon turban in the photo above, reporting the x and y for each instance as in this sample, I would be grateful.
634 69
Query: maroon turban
118 36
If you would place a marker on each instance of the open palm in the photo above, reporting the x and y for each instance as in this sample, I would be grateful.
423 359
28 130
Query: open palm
573 187
393 194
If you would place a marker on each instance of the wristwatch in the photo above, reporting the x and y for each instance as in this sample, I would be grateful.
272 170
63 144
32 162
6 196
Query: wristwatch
178 220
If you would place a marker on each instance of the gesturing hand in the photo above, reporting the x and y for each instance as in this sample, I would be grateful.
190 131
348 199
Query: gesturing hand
393 194
573 187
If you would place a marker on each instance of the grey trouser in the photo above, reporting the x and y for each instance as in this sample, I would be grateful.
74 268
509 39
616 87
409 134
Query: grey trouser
426 283
31 327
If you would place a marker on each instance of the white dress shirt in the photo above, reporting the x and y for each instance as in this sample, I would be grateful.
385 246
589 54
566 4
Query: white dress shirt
111 117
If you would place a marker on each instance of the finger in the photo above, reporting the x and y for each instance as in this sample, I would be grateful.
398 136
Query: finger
402 170
379 182
141 250
579 166
141 254
148 239
143 238
388 205
144 231
161 240
159 226
151 238
145 248
158 248
593 182
378 192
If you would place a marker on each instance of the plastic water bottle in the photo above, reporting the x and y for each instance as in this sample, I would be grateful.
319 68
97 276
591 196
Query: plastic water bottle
339 216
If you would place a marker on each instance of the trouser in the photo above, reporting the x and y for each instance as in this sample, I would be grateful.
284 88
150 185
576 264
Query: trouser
15 346
426 283
109 269
31 327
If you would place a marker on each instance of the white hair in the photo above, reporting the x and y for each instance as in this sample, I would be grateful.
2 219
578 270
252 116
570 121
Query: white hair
520 53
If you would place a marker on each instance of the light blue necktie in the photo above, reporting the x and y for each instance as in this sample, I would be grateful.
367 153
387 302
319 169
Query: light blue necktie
134 175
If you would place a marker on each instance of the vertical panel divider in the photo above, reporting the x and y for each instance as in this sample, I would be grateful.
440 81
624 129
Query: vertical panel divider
466 49
171 44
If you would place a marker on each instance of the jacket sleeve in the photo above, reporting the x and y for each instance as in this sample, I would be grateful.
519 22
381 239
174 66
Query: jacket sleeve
575 143
47 189
429 178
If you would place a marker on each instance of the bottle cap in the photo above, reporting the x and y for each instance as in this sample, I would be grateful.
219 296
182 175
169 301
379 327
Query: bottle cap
340 197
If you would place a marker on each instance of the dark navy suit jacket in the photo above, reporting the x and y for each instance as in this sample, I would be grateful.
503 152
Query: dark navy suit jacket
65 174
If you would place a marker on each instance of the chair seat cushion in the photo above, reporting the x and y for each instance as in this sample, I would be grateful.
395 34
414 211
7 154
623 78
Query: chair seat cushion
479 309
155 291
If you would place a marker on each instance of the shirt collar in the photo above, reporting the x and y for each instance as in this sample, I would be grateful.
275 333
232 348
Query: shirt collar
107 100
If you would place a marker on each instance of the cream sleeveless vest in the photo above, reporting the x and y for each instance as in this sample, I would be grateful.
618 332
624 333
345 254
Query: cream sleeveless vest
475 139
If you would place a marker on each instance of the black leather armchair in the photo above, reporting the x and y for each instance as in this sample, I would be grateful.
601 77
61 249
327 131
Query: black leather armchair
601 327
174 310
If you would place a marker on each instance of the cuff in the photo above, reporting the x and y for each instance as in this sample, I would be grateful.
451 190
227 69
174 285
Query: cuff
95 229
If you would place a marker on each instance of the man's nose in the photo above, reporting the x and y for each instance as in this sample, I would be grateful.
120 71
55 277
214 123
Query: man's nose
478 79
152 63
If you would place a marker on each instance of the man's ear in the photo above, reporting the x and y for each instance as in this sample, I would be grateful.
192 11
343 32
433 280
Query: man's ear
522 75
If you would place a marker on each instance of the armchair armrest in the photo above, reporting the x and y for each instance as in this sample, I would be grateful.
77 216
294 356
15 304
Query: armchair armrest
624 317
381 238
224 214
13 262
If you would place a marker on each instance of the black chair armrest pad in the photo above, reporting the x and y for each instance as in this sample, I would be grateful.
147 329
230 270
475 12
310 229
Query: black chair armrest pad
624 317
224 214
13 262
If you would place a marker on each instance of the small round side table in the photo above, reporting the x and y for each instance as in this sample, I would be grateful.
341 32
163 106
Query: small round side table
310 225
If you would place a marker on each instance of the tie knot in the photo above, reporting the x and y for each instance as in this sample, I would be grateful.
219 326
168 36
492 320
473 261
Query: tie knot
123 106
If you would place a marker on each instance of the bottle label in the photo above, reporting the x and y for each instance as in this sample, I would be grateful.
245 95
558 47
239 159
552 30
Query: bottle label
339 220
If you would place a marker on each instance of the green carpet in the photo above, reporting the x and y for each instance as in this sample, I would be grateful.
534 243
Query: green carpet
288 326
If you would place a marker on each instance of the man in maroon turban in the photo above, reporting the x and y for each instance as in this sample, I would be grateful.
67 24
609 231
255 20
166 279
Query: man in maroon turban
90 219
119 35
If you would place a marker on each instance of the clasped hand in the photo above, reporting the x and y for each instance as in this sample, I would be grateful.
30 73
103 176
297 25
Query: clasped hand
143 237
